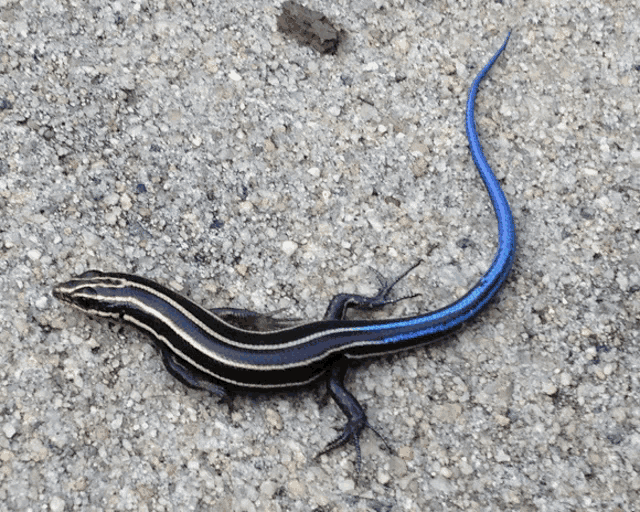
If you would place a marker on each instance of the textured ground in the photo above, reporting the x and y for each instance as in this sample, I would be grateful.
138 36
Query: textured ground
192 143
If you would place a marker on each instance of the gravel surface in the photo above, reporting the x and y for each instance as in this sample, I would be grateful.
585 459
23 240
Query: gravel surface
194 144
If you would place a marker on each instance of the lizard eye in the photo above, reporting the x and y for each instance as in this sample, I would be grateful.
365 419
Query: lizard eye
85 298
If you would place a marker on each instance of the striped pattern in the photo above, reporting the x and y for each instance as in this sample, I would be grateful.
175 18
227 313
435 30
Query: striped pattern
205 342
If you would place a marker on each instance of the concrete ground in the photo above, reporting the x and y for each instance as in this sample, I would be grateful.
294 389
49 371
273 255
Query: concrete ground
194 144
